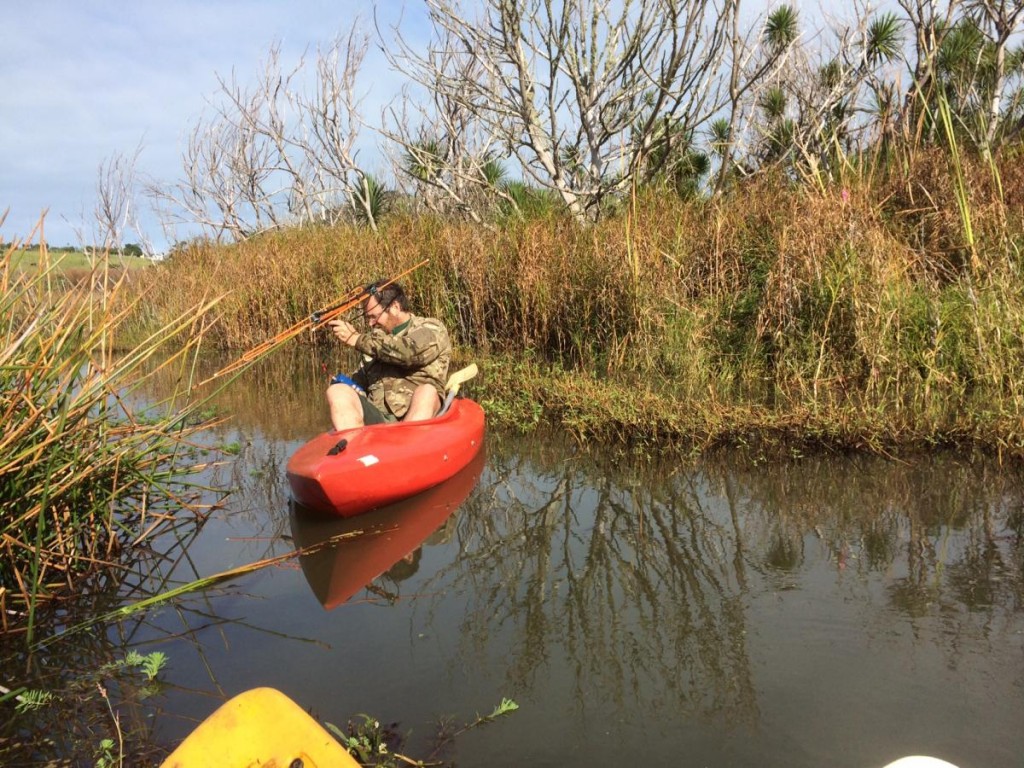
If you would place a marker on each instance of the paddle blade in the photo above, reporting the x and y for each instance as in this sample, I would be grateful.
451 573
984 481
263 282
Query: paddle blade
460 377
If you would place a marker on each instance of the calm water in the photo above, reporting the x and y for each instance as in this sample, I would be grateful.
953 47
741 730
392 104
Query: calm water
840 612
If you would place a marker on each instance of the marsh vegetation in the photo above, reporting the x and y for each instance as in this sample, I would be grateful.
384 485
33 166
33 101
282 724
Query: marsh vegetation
857 316
87 473
777 238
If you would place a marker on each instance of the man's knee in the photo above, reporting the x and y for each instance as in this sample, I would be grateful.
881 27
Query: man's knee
339 393
428 394
425 402
345 407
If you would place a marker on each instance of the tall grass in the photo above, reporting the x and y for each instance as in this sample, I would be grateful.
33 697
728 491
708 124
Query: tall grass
84 473
864 314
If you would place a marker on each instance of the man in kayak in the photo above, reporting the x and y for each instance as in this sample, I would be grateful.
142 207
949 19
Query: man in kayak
405 364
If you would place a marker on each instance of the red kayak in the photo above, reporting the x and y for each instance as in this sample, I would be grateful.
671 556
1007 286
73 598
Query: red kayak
369 545
350 472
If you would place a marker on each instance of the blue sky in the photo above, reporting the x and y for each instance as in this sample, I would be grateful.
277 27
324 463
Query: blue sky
85 80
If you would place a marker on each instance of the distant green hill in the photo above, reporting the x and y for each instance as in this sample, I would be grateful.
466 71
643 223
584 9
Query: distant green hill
71 259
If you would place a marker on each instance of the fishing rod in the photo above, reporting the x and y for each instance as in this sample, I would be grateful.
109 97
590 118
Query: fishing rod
351 299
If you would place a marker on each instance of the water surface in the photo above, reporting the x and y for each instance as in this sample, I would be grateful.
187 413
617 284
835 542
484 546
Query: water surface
841 611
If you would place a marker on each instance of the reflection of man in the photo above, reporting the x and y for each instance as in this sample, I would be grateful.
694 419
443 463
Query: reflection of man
405 567
405 364
443 534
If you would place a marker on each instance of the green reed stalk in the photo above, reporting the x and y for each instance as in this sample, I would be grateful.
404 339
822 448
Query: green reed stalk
203 583
960 188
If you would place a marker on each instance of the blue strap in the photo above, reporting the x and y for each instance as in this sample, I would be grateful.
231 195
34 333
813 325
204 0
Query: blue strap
341 378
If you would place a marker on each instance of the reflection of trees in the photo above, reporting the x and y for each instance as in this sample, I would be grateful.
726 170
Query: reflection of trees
632 582
939 534
622 580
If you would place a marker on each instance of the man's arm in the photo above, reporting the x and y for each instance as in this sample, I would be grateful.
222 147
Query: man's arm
413 349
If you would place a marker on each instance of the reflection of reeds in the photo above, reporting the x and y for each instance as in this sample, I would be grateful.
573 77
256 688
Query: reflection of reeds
640 581
83 475
281 396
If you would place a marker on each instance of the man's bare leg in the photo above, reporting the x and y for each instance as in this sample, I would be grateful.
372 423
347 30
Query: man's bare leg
346 408
424 405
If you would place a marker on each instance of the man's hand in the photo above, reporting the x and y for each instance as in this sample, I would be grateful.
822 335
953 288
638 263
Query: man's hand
345 331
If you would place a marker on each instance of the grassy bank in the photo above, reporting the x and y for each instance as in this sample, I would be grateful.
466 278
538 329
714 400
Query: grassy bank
72 266
883 311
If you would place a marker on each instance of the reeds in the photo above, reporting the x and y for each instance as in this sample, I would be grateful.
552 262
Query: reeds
86 471
882 309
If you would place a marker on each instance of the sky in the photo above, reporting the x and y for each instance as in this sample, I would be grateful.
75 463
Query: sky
87 80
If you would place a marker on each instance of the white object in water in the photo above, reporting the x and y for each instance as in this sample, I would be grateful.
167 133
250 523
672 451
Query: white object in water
919 761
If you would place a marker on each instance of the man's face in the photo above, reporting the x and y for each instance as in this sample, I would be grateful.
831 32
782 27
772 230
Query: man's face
378 316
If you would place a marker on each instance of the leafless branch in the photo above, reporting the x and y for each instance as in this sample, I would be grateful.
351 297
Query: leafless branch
578 90
115 212
273 154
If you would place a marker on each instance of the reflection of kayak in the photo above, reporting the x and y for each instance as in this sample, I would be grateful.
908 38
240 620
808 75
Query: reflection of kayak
259 727
338 571
347 473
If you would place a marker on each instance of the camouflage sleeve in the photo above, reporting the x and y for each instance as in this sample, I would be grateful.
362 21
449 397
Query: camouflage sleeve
413 349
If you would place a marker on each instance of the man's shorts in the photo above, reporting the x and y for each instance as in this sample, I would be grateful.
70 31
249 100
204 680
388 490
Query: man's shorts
373 415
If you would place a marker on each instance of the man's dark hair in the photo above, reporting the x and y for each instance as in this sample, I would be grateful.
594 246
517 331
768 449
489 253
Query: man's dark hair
388 295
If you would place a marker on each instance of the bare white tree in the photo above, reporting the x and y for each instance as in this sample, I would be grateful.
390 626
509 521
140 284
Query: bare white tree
1003 19
263 116
226 166
756 57
274 153
115 212
330 126
450 154
580 91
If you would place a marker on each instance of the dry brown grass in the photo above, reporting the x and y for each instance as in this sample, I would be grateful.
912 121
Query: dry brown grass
859 300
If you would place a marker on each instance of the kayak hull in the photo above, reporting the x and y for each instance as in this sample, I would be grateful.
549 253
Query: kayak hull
353 471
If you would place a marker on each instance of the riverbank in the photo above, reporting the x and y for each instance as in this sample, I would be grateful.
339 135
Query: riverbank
878 314
631 415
